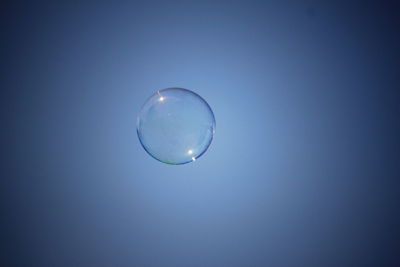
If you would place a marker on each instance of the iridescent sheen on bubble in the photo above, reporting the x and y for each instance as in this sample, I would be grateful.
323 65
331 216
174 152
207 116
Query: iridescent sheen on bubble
175 126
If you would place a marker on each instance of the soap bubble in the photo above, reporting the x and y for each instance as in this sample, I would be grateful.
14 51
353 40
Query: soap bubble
175 126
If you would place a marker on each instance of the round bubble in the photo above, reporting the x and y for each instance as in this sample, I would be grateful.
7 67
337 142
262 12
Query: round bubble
175 126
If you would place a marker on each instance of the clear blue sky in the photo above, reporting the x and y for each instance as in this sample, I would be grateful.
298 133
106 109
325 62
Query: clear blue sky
301 171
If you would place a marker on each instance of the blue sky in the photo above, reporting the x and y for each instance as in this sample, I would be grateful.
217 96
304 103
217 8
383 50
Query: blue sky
301 170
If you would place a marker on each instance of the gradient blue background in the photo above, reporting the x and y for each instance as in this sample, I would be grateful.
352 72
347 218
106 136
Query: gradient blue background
304 167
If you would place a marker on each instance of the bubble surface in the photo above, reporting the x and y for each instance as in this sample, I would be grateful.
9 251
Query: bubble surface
175 126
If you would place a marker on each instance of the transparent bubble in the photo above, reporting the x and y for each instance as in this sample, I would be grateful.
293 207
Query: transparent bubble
176 126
